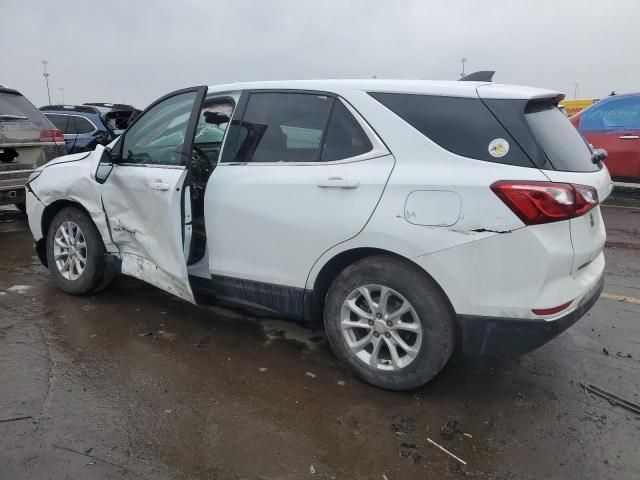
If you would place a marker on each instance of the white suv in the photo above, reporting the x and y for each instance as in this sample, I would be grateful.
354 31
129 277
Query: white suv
408 216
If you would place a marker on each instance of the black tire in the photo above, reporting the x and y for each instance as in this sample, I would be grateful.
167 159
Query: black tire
21 206
435 314
94 270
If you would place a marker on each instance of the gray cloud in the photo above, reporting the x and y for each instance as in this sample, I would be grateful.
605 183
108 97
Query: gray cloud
136 51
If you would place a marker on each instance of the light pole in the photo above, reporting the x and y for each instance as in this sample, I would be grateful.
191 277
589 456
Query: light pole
463 61
575 90
46 79
62 93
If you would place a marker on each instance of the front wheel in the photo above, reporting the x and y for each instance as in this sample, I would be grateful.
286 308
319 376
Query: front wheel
75 252
389 322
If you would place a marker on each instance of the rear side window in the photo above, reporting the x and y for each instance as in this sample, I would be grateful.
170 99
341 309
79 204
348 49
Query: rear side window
564 147
83 125
283 127
16 104
59 121
345 138
615 114
463 126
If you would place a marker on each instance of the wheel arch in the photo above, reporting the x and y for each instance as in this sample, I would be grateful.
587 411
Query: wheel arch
48 214
316 295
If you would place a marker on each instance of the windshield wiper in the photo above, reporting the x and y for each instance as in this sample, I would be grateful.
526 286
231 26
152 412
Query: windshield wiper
8 118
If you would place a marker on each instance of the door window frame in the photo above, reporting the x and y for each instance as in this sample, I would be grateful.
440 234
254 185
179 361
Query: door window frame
227 157
201 92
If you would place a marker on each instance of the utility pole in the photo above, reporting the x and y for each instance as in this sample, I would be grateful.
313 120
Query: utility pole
62 93
463 61
46 79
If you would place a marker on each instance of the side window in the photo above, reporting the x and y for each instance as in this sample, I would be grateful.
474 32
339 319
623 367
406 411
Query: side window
71 125
83 125
463 126
283 127
213 121
157 137
619 113
59 121
345 138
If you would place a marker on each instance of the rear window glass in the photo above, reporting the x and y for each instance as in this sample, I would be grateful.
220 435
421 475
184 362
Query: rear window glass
83 125
463 126
344 138
562 144
59 121
12 104
283 127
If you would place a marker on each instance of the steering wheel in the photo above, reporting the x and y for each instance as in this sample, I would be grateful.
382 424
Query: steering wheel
201 168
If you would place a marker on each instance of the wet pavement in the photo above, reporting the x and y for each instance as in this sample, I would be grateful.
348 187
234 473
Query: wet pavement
132 383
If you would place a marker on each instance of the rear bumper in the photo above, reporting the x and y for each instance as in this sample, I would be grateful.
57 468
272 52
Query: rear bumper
507 336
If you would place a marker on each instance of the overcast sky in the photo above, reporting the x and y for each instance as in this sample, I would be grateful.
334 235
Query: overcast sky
136 51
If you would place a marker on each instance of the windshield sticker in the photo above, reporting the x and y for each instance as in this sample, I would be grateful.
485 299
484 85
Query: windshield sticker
498 147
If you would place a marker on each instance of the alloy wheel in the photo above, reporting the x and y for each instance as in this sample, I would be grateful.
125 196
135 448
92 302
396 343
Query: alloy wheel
70 250
381 327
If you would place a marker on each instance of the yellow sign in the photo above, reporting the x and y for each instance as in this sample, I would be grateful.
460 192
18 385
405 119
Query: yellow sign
577 105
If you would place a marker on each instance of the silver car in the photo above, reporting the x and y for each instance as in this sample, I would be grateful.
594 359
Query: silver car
27 140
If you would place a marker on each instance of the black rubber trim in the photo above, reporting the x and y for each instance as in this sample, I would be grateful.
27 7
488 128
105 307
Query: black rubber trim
285 300
510 336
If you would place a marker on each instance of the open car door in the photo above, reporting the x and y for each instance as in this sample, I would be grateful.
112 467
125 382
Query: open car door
143 191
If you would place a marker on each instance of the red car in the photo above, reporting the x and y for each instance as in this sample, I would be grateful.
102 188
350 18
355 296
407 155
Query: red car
613 123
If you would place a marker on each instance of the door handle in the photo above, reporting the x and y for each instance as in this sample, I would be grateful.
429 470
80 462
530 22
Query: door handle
628 137
159 186
338 182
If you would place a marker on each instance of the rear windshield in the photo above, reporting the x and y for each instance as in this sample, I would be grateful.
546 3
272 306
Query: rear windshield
15 104
564 147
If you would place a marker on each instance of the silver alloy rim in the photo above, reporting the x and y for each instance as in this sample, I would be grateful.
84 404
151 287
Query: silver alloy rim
70 250
381 327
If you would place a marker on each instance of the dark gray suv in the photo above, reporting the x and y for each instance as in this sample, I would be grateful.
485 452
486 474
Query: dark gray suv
27 140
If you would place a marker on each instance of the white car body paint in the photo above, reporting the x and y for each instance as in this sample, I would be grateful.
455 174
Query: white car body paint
433 208
149 235
69 178
277 223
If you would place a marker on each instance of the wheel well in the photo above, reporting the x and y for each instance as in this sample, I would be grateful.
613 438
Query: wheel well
52 209
331 270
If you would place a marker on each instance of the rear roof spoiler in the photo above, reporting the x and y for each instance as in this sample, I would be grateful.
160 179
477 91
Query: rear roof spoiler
480 76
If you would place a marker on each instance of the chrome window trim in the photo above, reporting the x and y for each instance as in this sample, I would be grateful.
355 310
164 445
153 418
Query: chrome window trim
150 165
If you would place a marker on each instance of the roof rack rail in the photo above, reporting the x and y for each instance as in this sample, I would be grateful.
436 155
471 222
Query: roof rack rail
480 76
70 108
115 106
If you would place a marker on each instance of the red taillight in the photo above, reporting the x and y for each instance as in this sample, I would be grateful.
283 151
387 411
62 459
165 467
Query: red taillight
551 311
51 135
545 202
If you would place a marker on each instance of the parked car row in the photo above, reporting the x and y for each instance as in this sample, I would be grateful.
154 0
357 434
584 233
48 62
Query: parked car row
30 137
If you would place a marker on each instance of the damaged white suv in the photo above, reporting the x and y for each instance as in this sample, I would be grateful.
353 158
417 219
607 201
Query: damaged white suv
408 216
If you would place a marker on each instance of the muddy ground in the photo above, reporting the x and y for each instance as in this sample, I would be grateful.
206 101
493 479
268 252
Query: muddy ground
132 383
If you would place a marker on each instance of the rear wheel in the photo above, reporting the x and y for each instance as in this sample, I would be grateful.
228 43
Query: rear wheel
389 322
75 252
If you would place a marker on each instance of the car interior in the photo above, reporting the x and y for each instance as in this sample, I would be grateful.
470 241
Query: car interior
212 124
